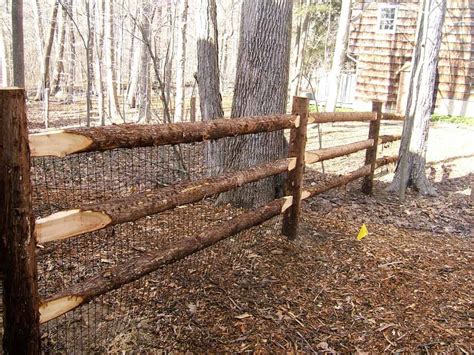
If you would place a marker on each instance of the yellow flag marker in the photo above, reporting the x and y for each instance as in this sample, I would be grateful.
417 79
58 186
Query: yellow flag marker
363 232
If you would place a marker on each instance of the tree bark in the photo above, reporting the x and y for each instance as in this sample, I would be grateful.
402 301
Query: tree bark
45 82
342 38
99 45
181 61
18 52
17 241
72 57
261 87
298 49
114 108
144 83
210 99
39 27
411 169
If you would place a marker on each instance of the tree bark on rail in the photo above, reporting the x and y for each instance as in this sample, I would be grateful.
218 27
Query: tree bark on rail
328 117
90 139
115 277
126 209
17 243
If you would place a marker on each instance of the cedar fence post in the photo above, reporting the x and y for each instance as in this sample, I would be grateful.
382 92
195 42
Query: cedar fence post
371 153
192 109
17 241
294 182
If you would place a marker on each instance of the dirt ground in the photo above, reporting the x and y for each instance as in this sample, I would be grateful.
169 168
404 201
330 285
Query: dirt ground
405 287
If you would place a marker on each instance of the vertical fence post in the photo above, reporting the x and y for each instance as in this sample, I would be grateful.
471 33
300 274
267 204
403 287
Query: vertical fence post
46 108
371 153
192 109
294 182
17 241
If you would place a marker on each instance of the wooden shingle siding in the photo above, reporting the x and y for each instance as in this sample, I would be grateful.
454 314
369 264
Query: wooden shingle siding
382 56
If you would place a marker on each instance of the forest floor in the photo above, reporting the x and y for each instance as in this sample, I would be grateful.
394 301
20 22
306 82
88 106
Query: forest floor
407 286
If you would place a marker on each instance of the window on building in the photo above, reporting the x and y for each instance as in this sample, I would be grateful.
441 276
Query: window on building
387 19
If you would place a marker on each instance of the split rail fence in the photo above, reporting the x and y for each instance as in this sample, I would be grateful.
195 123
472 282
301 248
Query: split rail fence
24 311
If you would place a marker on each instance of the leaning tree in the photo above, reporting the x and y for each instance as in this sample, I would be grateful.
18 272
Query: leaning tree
261 88
411 167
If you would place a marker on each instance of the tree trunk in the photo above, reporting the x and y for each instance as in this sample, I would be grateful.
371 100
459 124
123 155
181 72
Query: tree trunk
298 50
47 54
114 108
59 70
99 43
411 169
339 55
72 57
39 27
181 61
261 88
144 83
18 53
5 55
210 99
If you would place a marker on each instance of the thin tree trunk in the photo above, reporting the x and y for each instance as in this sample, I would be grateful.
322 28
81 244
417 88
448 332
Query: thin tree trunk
339 55
210 99
39 27
89 61
411 168
264 47
72 56
181 61
298 50
5 56
18 53
99 42
59 70
47 54
144 85
114 108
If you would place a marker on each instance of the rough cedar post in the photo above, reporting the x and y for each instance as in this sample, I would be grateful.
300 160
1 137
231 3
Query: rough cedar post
294 181
17 242
192 109
371 153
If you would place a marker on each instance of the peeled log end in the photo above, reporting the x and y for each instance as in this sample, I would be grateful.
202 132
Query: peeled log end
57 143
65 224
55 308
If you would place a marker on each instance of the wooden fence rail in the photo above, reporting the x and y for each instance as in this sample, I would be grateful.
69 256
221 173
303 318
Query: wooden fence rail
19 247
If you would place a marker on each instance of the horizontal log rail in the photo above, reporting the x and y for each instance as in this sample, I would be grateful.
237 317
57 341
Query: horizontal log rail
314 156
118 276
328 117
113 278
392 117
88 139
66 224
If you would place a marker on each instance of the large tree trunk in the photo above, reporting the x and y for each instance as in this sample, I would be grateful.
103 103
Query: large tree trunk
210 99
47 54
59 70
17 44
411 168
261 88
181 61
339 55
114 108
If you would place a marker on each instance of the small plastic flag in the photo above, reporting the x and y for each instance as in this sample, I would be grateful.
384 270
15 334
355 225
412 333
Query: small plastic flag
363 232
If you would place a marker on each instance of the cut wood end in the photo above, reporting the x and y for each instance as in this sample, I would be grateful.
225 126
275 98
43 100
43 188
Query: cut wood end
55 308
288 202
65 224
297 121
311 158
305 194
57 143
291 163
